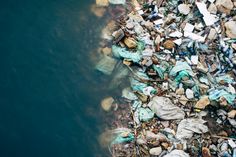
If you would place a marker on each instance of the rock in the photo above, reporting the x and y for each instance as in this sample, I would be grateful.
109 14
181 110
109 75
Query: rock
159 136
107 103
230 27
169 44
165 123
155 151
203 102
106 51
224 6
189 93
165 145
212 8
206 152
232 114
148 25
98 11
201 68
184 9
212 35
102 2
179 146
183 100
130 42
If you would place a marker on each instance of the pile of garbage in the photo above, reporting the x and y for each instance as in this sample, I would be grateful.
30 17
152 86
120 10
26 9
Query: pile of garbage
180 60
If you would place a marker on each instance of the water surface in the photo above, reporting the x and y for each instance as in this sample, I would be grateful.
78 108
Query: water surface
50 93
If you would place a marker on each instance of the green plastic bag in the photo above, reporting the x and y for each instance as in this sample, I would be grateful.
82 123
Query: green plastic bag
216 94
121 139
181 66
120 52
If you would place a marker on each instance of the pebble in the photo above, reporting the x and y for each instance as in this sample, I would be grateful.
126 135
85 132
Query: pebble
212 35
206 152
169 44
183 100
130 42
106 51
230 27
180 91
165 145
107 103
155 151
232 114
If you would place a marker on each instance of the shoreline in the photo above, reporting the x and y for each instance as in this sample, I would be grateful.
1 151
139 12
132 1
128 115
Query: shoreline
180 60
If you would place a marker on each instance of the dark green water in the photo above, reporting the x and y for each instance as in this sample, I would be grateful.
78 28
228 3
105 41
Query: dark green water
50 93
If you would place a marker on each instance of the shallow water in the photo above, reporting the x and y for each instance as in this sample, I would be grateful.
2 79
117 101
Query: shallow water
50 93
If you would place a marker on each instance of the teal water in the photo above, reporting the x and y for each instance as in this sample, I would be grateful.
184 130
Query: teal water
50 93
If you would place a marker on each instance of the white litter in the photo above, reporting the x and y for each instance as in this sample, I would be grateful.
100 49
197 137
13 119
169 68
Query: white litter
208 18
176 34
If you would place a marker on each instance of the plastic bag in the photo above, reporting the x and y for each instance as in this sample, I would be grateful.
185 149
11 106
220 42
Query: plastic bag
120 72
187 127
120 52
165 109
176 153
106 65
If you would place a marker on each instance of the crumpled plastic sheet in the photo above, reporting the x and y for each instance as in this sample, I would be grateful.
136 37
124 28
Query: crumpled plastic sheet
118 75
143 115
180 66
113 136
165 109
188 126
128 94
176 153
162 68
120 52
216 94
106 65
